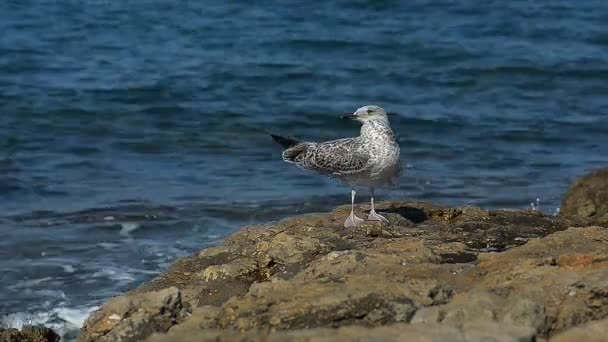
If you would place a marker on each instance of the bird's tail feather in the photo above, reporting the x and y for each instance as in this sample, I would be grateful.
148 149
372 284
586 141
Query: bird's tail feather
283 141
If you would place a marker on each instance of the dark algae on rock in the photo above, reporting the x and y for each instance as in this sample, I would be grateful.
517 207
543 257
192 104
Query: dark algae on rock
28 334
432 273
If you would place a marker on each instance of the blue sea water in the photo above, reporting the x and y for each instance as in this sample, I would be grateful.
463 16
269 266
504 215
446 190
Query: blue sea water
134 132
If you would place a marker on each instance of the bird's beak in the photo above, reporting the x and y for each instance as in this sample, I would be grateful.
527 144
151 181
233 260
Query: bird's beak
348 117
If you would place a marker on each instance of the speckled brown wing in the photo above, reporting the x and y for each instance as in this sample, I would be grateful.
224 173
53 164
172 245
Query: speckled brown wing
336 158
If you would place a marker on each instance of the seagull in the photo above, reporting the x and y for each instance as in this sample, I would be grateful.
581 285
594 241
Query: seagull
370 160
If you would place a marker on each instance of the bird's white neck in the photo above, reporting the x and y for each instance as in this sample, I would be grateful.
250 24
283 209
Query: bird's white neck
375 128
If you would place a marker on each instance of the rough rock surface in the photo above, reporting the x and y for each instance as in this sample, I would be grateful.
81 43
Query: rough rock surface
432 274
28 334
596 331
587 198
134 318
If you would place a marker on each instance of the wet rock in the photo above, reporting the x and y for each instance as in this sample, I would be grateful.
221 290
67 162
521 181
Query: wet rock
587 198
434 272
28 334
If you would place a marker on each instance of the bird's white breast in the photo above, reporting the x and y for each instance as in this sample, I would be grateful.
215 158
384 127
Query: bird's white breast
383 150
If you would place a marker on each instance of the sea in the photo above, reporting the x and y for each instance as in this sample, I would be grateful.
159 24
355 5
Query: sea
133 133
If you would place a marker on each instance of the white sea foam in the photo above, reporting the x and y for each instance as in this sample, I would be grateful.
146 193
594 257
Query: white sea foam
48 293
128 227
108 245
68 268
535 206
121 275
27 283
63 320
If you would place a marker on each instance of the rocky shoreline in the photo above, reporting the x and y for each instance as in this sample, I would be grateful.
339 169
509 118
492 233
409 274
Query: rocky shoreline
434 273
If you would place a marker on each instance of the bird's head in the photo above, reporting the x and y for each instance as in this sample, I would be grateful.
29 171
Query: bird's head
367 113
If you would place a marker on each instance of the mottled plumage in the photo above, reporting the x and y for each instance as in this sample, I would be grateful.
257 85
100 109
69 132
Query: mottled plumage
371 159
336 158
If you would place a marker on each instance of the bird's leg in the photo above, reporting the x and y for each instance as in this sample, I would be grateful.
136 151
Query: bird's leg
373 216
352 220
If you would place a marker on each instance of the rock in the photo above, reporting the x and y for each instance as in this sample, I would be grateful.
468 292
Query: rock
596 331
587 199
558 295
473 306
28 334
134 318
528 312
397 332
291 249
237 268
498 332
358 299
432 273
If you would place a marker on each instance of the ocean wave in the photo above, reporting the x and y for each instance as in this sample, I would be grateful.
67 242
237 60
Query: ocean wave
112 214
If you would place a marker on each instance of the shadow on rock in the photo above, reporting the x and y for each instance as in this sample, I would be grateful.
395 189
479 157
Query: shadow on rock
413 214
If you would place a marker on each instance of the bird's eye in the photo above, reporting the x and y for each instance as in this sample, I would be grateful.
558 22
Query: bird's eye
369 111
